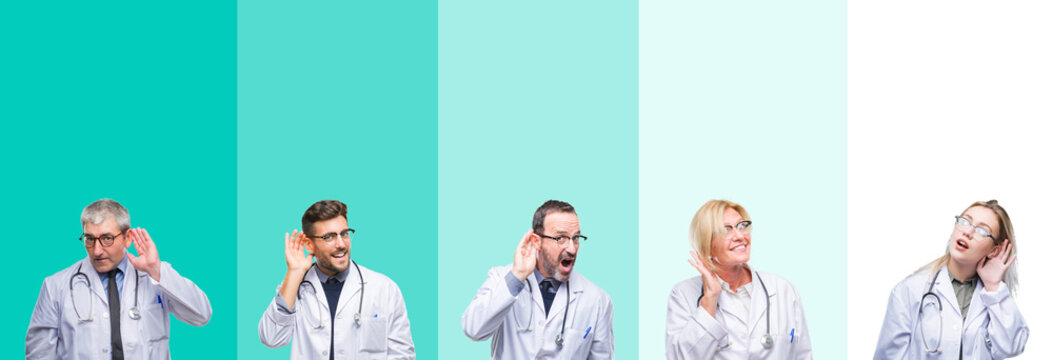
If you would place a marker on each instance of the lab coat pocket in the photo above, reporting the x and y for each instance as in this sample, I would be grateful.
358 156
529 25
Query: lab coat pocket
781 347
374 333
577 342
154 318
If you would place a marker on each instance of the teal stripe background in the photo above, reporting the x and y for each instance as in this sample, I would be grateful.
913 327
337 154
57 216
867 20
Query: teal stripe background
125 100
746 102
218 123
337 100
535 103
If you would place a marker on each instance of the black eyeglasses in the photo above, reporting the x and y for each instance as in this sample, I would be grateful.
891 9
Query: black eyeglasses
562 240
106 240
346 234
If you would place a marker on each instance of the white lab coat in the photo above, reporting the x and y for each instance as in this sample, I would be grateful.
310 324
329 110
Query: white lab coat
56 332
383 334
588 335
994 328
691 333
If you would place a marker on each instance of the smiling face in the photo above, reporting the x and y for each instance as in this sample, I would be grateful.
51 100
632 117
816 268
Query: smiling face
105 258
734 247
557 261
331 256
966 246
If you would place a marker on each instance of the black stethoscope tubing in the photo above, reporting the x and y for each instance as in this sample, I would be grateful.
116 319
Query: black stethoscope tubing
132 313
767 341
361 297
530 322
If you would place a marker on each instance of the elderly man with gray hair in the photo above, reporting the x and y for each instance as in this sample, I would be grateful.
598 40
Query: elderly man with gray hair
112 304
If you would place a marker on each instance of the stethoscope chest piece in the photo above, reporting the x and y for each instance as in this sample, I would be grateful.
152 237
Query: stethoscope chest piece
559 340
767 341
134 313
358 319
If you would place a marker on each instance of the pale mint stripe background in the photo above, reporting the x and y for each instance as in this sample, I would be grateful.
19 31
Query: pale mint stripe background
337 100
536 103
745 101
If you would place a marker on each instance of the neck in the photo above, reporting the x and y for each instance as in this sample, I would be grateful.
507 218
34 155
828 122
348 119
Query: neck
960 271
735 275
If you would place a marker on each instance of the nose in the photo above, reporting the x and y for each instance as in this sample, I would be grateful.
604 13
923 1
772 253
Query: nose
97 250
572 248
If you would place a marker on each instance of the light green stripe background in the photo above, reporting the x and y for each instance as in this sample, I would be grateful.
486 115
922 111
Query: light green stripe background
337 100
746 102
128 101
536 103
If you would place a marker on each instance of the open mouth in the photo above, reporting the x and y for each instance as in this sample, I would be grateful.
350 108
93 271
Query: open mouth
740 247
961 245
339 254
566 263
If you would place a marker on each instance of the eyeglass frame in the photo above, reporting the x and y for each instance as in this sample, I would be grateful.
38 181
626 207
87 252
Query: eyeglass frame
976 228
350 232
739 227
84 238
576 239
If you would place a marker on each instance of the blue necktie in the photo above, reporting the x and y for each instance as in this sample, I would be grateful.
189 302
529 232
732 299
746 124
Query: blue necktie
549 287
332 288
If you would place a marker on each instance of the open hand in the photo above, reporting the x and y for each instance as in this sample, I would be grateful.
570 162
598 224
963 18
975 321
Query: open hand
147 261
710 284
525 258
991 269
294 252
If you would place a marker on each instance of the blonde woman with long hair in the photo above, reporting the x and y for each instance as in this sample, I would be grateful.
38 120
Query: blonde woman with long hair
961 305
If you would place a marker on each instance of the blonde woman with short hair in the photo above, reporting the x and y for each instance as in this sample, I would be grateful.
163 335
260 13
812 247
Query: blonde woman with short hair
731 311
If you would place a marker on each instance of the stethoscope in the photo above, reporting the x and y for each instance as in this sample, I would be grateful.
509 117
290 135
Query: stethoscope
921 312
530 323
767 341
361 297
132 313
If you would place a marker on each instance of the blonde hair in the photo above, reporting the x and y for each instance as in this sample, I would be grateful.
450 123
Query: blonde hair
1004 233
709 223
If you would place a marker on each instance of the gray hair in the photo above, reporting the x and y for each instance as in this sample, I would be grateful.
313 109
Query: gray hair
100 210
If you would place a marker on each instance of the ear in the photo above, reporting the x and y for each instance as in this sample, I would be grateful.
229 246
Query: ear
125 239
308 244
535 240
997 250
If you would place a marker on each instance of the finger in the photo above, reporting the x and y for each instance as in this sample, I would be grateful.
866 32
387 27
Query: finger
1005 252
146 237
1011 260
524 242
133 259
138 243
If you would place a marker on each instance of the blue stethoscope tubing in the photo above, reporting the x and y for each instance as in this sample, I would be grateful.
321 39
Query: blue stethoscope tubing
132 313
530 323
361 297
767 341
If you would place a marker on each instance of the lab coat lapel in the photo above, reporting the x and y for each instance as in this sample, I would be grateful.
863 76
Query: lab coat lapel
946 291
352 287
538 303
93 278
975 304
559 304
759 306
